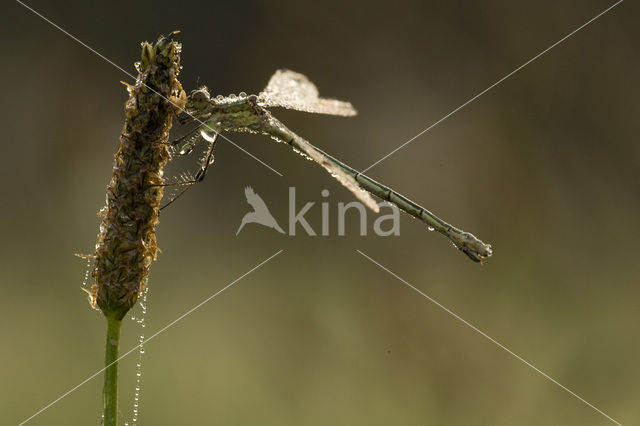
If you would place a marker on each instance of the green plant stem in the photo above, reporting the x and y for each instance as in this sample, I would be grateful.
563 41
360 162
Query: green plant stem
110 390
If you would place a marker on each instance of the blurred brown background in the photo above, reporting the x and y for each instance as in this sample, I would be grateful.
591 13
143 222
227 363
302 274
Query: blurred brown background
545 167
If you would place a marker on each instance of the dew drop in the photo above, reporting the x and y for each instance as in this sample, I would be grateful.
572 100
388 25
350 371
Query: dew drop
86 273
186 149
140 320
206 136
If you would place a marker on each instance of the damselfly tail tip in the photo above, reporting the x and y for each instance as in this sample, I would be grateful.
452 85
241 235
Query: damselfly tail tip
475 249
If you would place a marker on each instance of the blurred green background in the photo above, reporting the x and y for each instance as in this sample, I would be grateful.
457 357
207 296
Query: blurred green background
544 167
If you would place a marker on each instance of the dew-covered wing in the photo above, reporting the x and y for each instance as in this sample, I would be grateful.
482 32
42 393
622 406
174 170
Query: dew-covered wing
351 184
309 151
292 90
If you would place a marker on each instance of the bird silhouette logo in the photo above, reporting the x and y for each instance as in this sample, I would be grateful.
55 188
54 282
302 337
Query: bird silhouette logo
260 213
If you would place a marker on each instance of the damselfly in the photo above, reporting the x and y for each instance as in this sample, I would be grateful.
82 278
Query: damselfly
292 90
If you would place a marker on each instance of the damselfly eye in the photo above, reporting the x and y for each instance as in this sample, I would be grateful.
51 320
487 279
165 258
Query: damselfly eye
200 96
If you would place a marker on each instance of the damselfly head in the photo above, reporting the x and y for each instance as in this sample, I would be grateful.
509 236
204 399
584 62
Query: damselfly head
199 98
197 102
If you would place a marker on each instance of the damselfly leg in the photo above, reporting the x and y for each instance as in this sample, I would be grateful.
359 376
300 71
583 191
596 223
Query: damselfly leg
207 160
184 144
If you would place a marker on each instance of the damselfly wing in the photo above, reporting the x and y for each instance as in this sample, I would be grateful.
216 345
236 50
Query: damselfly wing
292 90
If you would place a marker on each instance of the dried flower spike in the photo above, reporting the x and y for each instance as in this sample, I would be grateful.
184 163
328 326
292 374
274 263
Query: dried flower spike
126 244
